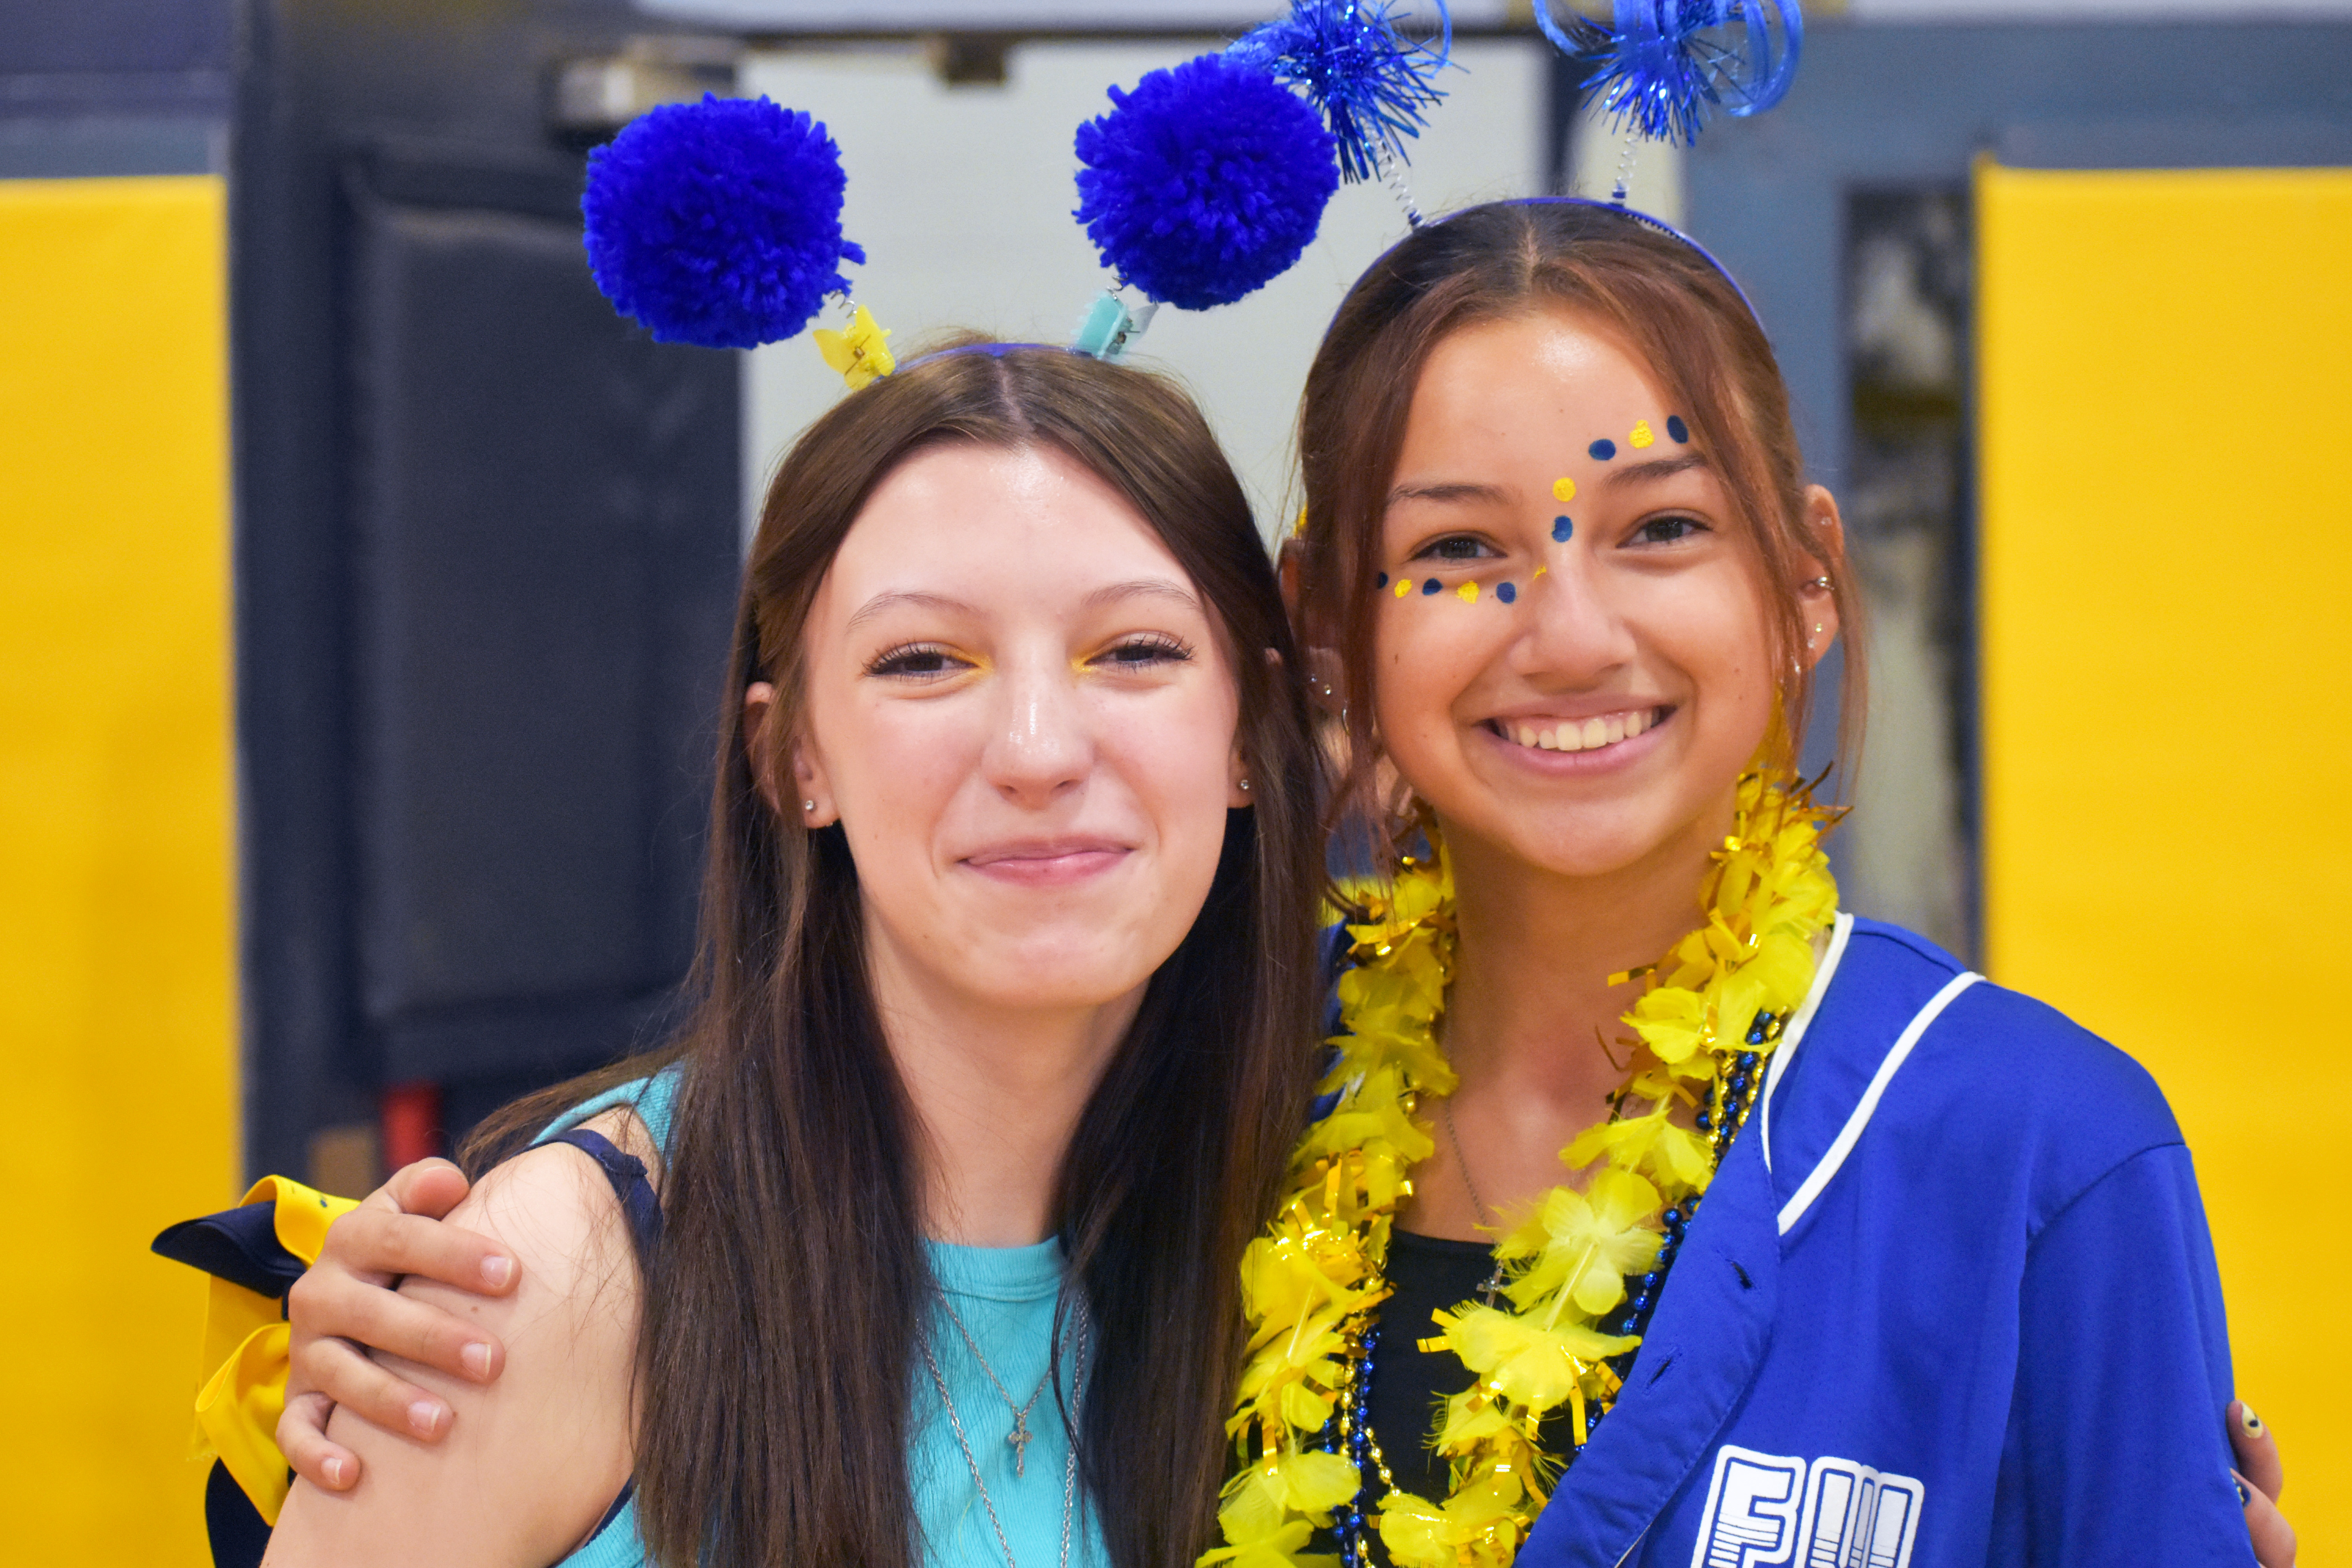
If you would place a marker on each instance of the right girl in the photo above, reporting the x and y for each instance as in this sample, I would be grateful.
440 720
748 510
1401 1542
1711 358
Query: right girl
1815 1247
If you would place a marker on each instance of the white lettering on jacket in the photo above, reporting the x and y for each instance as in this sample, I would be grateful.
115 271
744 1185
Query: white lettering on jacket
1766 1509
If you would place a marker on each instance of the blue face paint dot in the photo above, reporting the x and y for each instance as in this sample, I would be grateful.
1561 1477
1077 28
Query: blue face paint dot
1431 586
1562 529
1602 450
1507 592
1383 582
1677 429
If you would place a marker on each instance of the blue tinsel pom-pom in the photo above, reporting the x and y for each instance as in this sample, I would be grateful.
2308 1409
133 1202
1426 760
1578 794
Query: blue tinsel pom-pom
718 223
1370 81
1663 66
1204 182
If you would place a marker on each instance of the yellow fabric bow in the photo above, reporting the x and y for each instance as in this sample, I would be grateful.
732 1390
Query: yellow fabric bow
861 353
250 1347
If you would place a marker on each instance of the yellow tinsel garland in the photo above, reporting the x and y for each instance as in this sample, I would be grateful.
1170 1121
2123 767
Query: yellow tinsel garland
1313 1280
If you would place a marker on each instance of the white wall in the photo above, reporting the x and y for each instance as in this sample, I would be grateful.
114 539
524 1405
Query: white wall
962 198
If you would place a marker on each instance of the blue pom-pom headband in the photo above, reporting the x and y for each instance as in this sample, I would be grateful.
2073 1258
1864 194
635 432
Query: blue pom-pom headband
720 223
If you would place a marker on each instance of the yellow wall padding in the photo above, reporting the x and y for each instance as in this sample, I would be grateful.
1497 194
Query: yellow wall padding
2167 622
117 954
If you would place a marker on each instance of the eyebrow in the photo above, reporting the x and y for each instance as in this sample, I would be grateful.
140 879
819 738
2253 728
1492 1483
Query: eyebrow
881 603
1453 491
1109 594
1655 469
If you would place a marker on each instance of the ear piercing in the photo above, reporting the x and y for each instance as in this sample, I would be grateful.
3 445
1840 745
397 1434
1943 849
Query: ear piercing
810 805
1245 787
1821 582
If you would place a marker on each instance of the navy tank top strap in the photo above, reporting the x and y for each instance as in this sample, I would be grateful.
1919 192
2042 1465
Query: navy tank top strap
627 1174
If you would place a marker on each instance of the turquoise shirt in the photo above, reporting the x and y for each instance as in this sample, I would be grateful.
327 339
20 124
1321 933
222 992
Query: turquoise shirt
1005 1296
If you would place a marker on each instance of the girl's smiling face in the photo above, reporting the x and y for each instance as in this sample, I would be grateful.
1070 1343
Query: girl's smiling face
1574 650
1021 712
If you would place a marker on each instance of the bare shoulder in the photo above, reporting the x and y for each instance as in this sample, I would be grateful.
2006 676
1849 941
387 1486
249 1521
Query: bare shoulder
532 1461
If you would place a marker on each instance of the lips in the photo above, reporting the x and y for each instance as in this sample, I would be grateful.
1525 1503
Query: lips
1047 862
1587 734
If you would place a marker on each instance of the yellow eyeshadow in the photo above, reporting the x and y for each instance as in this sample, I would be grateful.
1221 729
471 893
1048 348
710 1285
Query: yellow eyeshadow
1641 435
1564 488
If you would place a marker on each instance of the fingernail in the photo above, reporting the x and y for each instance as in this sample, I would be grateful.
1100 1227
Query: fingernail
497 1271
2243 1495
335 1468
2249 1420
424 1416
476 1360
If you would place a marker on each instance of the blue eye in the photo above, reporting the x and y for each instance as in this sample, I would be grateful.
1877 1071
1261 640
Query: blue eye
1136 652
916 660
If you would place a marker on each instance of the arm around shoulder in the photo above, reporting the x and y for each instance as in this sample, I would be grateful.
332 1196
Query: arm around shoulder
2114 1453
532 1461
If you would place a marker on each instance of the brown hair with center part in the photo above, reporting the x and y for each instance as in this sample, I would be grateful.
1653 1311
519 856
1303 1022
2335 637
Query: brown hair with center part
777 1349
1667 304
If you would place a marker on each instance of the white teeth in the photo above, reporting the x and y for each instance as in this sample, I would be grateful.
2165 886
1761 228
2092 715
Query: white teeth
1585 735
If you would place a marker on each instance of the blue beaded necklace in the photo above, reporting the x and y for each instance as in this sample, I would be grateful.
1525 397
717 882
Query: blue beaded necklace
1350 1432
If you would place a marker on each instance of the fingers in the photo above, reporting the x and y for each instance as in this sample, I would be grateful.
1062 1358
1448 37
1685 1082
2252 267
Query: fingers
328 1309
382 1244
302 1435
2274 1537
429 1187
2257 1451
336 1374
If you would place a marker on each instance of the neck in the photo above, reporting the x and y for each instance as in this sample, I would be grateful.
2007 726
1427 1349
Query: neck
997 1092
1531 1023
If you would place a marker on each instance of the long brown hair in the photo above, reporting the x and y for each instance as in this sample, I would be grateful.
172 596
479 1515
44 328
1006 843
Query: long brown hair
1659 295
777 1345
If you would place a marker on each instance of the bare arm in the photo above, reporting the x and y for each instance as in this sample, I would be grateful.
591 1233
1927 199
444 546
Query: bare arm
529 1463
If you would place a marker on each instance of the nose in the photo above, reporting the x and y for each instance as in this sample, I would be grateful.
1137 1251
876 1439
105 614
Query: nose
1575 635
1042 744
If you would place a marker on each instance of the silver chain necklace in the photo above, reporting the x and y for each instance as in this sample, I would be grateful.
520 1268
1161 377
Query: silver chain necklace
1495 1282
1019 1435
972 1460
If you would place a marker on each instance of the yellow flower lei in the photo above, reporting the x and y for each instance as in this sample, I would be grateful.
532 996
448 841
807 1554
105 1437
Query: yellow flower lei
1312 1282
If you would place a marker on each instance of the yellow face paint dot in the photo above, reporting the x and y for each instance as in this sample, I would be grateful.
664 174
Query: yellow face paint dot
1564 489
1641 435
1468 593
1541 570
1403 587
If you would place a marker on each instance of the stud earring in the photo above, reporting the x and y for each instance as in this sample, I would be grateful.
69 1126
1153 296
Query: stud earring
1245 787
1821 582
810 805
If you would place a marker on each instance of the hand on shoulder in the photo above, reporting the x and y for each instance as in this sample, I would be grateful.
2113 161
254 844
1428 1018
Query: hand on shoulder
531 1462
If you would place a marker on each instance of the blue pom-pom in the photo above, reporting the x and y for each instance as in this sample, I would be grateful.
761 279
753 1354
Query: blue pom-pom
1664 65
1204 182
1370 81
718 223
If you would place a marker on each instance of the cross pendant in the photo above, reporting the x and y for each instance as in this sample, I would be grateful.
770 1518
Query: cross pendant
1495 1282
1019 1438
